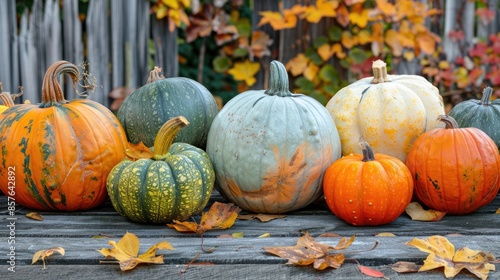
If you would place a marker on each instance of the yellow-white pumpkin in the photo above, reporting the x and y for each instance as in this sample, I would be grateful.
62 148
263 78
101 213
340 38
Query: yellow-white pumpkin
388 111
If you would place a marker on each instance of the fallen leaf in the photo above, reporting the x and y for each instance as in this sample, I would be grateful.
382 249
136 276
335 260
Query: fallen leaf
371 272
126 251
328 234
34 216
385 234
42 254
417 213
442 254
308 251
219 216
265 235
262 217
225 235
237 235
405 267
138 151
498 211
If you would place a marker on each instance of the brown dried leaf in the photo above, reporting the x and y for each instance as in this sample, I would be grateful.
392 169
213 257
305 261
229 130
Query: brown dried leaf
417 213
498 211
219 216
308 251
42 254
262 217
442 254
225 235
328 234
385 234
126 251
405 267
138 151
35 216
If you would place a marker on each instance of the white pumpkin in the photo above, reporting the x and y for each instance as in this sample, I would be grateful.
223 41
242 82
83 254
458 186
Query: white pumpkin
388 111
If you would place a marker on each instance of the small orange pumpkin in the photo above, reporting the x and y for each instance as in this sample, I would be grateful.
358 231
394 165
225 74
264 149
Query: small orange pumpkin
368 189
455 169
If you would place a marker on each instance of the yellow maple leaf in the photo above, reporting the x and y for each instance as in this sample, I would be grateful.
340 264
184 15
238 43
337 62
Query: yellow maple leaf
219 216
311 71
174 4
325 52
348 40
386 8
359 18
245 71
126 251
442 254
42 254
297 65
277 20
392 39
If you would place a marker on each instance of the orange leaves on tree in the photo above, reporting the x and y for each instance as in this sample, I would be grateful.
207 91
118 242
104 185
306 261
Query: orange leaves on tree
418 213
442 254
359 18
326 51
298 64
387 9
485 15
323 8
173 10
277 20
126 252
42 254
245 71
308 251
219 216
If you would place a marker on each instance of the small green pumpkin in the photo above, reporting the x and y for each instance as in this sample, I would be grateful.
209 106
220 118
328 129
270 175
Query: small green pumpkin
150 106
174 184
483 114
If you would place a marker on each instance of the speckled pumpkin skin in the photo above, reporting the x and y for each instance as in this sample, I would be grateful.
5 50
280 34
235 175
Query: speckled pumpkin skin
368 193
270 151
149 107
159 191
388 115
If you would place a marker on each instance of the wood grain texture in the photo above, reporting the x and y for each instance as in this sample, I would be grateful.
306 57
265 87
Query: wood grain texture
78 233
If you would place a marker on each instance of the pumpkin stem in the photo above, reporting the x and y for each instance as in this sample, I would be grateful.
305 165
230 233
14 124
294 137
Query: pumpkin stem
449 121
52 93
379 69
154 75
7 98
367 150
485 100
166 136
278 82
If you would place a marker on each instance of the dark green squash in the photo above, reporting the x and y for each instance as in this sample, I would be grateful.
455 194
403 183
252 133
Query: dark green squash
483 114
150 106
174 184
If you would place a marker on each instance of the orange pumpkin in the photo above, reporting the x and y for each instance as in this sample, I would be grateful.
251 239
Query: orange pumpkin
57 155
455 169
368 189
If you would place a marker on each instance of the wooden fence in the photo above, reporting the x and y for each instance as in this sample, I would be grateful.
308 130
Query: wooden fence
117 36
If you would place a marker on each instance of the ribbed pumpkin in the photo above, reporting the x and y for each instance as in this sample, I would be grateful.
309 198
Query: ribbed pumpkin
270 148
388 111
173 185
150 106
60 151
455 169
368 189
483 114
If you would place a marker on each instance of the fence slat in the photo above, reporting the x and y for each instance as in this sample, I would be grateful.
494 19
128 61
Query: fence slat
73 44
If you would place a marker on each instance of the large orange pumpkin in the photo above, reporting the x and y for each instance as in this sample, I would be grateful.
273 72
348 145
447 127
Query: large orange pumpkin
368 189
57 155
455 169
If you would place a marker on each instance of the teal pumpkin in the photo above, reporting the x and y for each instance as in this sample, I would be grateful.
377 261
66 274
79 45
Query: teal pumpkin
150 106
483 114
174 184
271 147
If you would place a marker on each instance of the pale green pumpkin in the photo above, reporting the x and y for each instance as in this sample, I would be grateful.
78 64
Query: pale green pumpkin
388 111
270 148
173 185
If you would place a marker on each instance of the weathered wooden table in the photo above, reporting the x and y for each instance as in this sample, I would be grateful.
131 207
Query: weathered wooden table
241 258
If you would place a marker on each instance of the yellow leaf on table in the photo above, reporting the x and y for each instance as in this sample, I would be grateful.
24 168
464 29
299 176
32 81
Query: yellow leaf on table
42 254
498 211
126 251
418 213
219 216
245 71
34 216
442 254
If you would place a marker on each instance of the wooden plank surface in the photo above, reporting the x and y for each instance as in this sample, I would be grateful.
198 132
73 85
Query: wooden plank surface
241 258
